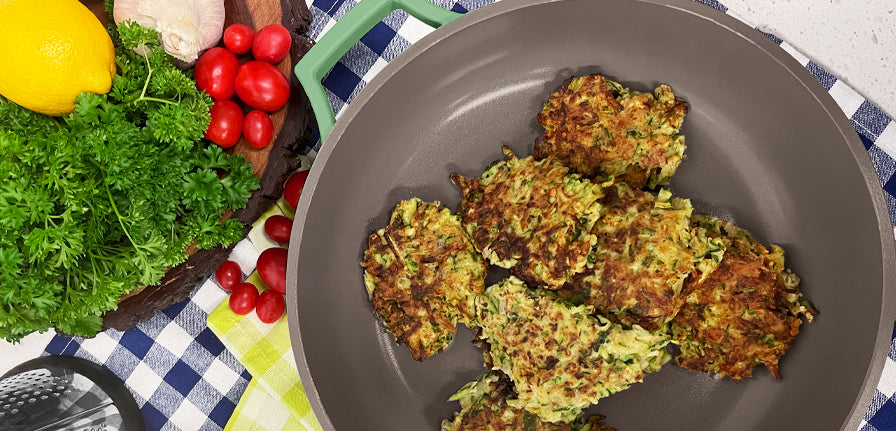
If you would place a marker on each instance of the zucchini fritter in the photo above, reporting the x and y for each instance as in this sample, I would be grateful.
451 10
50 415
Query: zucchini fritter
422 274
745 313
644 252
483 407
560 358
533 217
603 130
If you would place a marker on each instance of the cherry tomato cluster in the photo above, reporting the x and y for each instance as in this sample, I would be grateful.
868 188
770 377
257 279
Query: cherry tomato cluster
271 265
268 305
257 83
244 296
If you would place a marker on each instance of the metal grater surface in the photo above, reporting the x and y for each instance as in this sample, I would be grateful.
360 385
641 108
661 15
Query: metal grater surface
59 397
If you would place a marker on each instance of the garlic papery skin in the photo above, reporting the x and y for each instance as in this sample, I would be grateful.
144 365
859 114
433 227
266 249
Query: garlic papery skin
186 27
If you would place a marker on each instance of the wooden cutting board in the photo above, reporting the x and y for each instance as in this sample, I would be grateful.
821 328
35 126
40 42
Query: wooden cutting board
272 164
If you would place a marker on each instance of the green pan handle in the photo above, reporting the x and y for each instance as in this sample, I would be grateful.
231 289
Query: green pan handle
318 61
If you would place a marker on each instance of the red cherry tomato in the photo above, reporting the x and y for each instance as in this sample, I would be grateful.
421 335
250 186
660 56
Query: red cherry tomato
258 129
271 44
262 86
271 267
243 298
270 306
238 38
278 228
293 188
215 73
226 126
228 275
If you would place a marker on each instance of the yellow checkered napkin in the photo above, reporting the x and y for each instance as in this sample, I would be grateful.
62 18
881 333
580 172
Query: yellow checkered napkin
275 398
258 410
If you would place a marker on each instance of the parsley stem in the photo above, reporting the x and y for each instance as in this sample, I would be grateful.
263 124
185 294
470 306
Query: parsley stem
146 85
148 75
153 99
120 221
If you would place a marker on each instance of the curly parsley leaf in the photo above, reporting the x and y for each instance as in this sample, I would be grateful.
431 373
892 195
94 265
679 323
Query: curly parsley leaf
105 200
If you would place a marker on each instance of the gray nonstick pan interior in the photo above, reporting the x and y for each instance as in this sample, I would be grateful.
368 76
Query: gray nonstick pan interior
768 149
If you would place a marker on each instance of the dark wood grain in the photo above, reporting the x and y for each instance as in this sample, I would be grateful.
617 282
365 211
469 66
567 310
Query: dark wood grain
272 164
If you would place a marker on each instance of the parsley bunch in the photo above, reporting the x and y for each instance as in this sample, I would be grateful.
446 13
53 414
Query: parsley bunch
105 200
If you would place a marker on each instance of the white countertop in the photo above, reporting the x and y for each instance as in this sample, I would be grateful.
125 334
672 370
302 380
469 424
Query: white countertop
855 40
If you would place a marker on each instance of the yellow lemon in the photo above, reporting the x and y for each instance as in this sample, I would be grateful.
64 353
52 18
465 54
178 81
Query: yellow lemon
50 51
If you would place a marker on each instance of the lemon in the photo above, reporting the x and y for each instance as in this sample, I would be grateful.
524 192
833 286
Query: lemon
50 51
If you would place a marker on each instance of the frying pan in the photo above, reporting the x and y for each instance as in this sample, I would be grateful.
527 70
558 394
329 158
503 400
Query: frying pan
768 149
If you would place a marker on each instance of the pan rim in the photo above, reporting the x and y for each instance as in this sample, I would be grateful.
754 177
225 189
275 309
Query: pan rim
729 23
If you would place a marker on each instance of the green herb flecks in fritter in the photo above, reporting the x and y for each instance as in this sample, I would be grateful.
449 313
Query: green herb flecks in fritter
644 252
533 217
560 358
483 407
745 313
603 130
422 274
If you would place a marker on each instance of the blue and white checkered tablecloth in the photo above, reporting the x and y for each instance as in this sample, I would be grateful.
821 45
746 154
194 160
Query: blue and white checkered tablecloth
180 374
184 379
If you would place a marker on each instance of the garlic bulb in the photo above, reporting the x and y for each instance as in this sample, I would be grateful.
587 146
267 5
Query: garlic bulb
187 27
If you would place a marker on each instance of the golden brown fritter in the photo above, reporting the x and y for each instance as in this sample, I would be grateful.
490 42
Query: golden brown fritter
560 358
422 274
644 252
603 130
745 313
531 216
484 407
